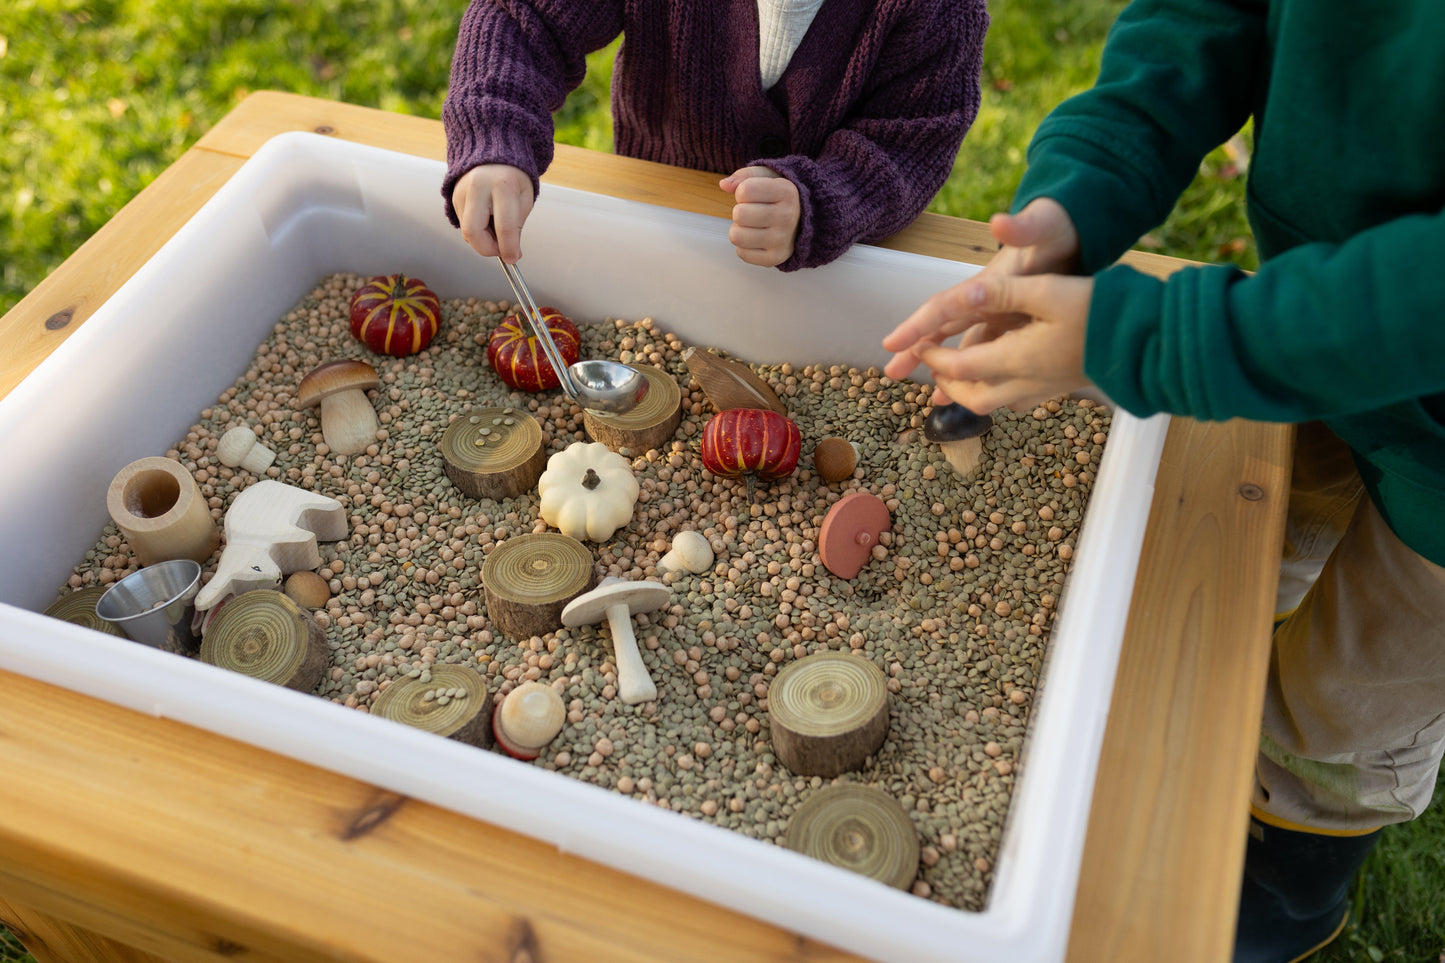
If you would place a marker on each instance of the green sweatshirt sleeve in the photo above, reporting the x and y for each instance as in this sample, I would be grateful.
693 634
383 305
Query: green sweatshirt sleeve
1321 331
1177 79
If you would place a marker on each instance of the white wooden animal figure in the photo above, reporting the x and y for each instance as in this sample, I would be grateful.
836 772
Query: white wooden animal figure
271 530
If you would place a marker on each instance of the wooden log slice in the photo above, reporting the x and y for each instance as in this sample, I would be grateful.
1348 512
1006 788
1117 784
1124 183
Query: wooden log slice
494 452
529 579
266 635
650 425
454 703
858 828
79 607
828 712
730 384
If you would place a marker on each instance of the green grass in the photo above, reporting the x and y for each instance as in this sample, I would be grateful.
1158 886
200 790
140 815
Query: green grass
97 97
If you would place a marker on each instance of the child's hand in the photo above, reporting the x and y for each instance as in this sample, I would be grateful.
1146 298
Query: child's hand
765 215
1040 239
1037 355
492 203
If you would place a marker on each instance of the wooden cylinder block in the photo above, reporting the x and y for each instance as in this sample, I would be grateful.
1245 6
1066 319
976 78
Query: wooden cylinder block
158 507
828 712
494 452
529 579
266 635
650 425
79 607
858 828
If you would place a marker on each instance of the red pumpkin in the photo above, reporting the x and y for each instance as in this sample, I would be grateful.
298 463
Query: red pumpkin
394 314
751 441
516 356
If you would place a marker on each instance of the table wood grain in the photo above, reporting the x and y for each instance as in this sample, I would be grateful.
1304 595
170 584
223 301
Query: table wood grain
130 838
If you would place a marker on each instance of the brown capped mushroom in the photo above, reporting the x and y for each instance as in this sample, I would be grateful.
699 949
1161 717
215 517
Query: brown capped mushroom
348 421
238 447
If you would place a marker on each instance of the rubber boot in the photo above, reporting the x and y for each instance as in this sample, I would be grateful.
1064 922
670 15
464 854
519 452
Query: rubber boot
1292 900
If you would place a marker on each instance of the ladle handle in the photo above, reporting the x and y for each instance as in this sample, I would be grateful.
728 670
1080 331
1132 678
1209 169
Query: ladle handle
527 307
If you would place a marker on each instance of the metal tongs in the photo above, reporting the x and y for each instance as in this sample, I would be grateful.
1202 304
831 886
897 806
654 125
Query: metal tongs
609 387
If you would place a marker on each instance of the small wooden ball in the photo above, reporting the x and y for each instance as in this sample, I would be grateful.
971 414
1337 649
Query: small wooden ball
835 458
308 589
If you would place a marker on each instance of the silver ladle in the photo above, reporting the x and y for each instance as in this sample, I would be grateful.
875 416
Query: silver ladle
609 387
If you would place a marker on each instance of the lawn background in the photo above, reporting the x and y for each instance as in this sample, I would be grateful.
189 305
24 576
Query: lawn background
97 97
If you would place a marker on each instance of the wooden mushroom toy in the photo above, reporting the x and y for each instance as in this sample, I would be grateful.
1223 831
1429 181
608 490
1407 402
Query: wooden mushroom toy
348 421
617 600
527 718
959 432
849 532
239 448
690 552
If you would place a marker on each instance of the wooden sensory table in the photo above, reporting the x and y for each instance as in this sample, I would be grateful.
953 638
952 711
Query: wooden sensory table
129 838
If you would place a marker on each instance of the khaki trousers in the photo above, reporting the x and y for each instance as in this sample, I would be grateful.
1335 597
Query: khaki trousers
1354 715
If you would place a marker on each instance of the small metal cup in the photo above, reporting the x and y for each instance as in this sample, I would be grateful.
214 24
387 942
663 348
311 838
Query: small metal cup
156 606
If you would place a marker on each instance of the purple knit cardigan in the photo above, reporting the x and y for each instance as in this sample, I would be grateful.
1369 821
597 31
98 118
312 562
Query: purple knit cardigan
866 120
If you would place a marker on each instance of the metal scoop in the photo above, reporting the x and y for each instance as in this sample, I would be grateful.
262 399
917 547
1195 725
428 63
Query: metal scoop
609 387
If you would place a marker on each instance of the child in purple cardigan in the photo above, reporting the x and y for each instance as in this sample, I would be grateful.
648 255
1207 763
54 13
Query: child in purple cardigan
832 129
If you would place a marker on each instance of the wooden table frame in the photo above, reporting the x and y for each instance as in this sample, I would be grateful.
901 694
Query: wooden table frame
129 838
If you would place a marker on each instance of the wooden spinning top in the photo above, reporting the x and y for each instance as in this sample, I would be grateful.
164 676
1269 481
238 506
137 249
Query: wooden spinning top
850 530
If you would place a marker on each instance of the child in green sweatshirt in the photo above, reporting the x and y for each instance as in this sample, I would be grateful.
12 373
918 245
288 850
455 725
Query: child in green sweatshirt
1341 332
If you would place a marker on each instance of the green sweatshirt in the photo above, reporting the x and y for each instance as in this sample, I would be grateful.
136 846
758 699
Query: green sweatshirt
1345 319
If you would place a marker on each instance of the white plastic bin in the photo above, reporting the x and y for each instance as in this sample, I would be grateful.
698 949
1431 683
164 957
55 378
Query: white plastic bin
134 377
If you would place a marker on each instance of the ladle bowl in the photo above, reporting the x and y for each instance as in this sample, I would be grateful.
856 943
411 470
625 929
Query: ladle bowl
607 387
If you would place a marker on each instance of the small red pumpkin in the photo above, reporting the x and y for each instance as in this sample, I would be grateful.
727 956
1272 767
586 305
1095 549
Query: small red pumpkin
751 441
394 314
516 356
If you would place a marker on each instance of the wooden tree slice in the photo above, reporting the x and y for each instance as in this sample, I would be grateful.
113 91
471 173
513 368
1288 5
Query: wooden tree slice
79 607
858 828
266 635
529 579
494 452
828 712
647 426
730 384
455 703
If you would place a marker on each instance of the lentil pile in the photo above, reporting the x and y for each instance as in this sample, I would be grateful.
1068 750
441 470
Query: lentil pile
956 605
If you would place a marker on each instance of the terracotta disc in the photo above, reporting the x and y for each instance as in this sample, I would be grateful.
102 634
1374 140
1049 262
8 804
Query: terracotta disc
850 530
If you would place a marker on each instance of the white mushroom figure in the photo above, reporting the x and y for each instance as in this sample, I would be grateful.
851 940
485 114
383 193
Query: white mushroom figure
617 600
238 447
690 551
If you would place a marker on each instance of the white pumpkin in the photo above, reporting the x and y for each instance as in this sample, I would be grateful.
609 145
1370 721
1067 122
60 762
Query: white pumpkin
588 491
